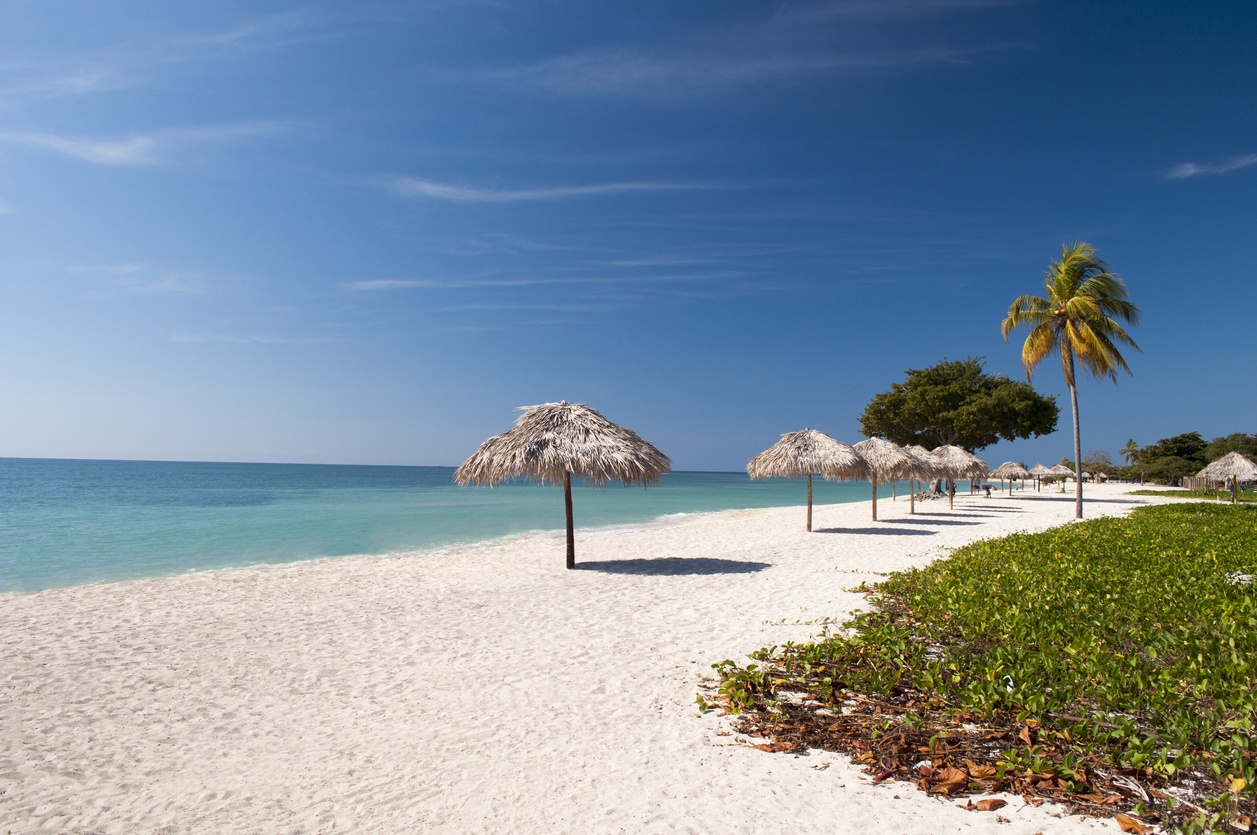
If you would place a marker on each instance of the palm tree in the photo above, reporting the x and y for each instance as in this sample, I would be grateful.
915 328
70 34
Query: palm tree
1078 319
1131 453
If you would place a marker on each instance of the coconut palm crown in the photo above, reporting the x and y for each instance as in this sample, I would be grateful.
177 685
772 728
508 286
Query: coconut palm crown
1079 319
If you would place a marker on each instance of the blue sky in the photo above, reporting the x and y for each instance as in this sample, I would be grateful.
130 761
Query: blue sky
365 232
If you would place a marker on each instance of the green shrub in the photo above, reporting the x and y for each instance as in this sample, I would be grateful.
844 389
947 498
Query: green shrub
1129 646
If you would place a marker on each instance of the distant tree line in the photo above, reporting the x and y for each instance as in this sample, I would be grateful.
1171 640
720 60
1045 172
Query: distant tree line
1170 460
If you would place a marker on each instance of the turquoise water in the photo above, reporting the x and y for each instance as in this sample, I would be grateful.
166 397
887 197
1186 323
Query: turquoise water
65 523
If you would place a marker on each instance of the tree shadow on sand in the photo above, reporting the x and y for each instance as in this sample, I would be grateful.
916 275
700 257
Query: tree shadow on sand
673 566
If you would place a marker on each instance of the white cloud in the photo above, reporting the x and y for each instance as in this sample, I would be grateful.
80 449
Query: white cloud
415 187
1196 169
235 339
147 149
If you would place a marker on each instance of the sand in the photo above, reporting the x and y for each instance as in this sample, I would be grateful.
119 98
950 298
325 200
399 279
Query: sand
476 689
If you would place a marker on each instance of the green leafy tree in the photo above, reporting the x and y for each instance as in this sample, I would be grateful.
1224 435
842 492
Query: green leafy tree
1235 442
956 402
1171 459
1079 320
1189 445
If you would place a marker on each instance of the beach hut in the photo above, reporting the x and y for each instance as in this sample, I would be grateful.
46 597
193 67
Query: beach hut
1010 470
807 452
1233 468
923 467
958 463
553 442
1039 471
886 461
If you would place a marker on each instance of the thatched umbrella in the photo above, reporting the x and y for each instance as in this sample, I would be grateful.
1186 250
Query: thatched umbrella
923 466
806 453
1063 472
1039 471
885 461
1232 467
552 442
1010 470
958 463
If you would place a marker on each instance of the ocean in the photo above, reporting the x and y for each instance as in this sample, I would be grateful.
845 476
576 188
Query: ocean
66 523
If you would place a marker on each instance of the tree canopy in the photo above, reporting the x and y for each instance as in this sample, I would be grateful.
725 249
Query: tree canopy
956 402
1171 459
1235 442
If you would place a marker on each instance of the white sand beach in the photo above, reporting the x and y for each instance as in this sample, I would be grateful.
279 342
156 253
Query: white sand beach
478 689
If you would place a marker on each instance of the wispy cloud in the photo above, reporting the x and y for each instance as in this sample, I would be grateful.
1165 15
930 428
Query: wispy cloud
1197 169
389 284
236 339
794 42
142 149
135 277
459 283
415 187
137 62
836 10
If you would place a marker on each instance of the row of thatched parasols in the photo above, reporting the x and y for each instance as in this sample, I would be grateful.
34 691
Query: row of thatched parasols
809 452
553 443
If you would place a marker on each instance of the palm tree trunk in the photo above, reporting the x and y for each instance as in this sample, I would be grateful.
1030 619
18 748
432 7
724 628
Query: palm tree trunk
1073 401
809 502
571 527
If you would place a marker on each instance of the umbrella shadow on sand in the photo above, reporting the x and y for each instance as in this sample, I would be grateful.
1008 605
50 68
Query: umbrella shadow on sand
878 531
930 522
673 566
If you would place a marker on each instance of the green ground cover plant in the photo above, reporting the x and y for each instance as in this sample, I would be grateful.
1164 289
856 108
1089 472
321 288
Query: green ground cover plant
1110 665
1216 495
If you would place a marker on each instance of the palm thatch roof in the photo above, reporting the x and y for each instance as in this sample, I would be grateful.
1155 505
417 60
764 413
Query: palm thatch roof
959 463
1061 469
807 452
552 442
924 465
884 459
1010 470
1040 470
1232 465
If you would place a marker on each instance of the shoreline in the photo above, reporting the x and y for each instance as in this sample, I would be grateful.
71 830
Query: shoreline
245 521
468 689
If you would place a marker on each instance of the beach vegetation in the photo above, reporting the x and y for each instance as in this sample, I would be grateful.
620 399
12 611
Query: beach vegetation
1109 665
956 402
1196 495
1079 320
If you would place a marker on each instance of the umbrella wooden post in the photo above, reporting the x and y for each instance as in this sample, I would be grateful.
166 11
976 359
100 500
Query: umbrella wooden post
809 502
874 480
571 527
912 496
951 493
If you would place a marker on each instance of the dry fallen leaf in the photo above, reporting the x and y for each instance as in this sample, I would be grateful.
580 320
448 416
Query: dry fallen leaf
1129 824
950 780
990 804
980 771
1024 736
